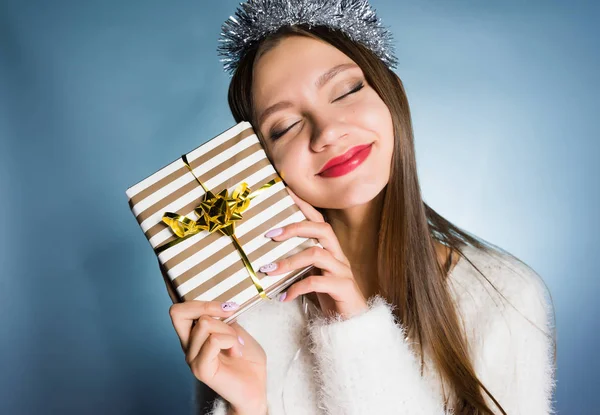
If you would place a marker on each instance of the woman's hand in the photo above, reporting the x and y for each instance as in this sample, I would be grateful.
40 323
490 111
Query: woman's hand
233 368
336 287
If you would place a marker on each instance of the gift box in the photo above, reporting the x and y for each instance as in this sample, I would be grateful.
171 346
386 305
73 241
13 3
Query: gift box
205 216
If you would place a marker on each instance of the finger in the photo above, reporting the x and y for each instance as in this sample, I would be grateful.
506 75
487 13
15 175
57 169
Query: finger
206 327
337 288
184 314
316 256
321 231
206 364
307 209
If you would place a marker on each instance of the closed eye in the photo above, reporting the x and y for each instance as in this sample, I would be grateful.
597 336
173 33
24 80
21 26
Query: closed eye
356 88
277 134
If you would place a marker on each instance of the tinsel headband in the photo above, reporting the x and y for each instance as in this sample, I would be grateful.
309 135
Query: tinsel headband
256 19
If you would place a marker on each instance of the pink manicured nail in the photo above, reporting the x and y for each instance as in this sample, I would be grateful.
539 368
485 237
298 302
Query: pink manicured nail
268 268
274 232
241 340
282 296
229 305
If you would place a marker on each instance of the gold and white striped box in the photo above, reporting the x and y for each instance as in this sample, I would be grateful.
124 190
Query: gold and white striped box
207 266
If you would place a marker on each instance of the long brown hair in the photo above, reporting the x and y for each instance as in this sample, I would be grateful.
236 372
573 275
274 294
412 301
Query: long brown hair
409 274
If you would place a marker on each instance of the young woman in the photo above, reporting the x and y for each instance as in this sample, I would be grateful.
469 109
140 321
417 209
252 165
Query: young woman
413 315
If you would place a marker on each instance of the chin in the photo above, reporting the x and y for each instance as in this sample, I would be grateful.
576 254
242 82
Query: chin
347 198
337 193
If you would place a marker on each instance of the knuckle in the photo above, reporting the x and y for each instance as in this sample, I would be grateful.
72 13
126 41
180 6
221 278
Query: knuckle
210 342
174 310
188 360
315 252
230 329
204 322
197 369
283 263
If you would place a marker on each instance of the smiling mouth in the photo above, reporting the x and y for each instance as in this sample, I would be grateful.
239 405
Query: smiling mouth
346 163
344 157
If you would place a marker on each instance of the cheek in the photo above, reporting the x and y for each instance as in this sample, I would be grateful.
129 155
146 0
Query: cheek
290 162
372 114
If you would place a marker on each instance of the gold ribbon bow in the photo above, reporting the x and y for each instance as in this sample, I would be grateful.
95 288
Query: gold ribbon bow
217 213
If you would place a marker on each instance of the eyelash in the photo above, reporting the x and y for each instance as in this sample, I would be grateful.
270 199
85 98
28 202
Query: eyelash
278 134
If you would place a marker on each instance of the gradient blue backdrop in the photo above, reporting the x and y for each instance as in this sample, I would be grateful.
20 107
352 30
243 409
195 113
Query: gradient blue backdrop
95 96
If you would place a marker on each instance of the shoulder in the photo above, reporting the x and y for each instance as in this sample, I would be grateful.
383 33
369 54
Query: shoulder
509 326
490 283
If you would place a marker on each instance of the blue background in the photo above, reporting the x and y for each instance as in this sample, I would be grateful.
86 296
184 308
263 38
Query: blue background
95 96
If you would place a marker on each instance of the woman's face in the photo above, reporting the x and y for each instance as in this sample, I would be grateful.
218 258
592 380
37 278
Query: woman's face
307 120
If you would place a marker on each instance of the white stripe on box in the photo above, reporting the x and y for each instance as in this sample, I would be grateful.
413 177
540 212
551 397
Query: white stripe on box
242 274
204 148
159 175
234 257
251 291
198 171
228 135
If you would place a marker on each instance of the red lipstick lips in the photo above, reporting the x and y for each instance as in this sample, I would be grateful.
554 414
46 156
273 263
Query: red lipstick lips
347 162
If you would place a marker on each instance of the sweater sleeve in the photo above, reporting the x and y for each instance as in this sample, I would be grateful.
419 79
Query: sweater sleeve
219 407
364 365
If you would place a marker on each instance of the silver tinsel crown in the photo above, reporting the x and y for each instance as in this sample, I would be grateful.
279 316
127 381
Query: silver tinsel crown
256 19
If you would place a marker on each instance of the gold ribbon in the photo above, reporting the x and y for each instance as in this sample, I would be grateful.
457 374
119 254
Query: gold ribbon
217 213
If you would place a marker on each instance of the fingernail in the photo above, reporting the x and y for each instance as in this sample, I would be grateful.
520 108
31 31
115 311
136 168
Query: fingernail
274 232
241 340
282 296
229 305
268 268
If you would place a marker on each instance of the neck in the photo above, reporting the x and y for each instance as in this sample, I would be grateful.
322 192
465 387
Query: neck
357 229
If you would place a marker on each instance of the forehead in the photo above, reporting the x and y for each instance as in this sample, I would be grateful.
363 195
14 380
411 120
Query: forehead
294 62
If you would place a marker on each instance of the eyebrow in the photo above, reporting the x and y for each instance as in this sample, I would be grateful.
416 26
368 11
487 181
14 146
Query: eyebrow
319 83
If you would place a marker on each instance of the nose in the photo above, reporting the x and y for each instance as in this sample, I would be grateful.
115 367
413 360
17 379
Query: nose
327 131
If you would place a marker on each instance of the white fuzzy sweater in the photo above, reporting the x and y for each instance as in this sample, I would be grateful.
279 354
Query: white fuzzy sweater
365 365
